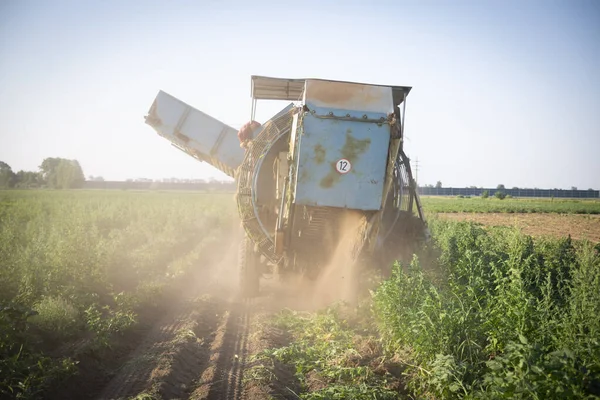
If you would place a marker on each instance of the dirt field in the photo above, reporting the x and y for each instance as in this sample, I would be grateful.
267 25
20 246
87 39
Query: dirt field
556 225
200 347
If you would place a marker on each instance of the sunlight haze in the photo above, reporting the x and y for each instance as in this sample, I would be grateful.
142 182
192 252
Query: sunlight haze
503 92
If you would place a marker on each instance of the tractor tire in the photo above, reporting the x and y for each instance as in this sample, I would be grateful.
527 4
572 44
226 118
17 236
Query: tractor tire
249 273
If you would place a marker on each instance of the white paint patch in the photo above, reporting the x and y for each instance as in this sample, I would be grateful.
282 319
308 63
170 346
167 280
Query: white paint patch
343 166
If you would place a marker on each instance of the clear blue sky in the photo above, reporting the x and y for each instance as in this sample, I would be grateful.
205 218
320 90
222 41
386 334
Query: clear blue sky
503 91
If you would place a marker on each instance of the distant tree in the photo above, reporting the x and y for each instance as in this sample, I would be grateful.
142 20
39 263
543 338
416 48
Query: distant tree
438 185
95 178
472 187
501 187
60 173
48 170
573 187
485 194
7 176
29 179
500 194
515 188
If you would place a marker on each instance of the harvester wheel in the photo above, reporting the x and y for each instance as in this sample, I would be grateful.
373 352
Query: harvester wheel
248 269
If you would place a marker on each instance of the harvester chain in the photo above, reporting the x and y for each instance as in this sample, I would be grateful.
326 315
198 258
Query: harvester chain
246 191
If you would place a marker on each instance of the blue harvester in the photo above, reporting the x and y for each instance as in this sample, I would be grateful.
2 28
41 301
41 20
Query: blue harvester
329 168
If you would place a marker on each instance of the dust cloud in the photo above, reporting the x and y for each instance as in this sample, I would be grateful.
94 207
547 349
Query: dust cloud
337 281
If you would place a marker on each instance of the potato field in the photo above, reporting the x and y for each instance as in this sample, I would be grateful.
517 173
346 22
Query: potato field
119 294
510 205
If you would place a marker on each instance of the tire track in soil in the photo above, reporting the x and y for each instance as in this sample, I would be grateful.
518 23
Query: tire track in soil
222 379
149 362
174 353
244 332
201 348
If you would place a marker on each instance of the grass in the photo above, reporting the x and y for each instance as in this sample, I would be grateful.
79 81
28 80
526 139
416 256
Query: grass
435 204
84 264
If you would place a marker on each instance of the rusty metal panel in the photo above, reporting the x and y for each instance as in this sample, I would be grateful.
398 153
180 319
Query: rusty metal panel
348 96
268 88
341 163
272 88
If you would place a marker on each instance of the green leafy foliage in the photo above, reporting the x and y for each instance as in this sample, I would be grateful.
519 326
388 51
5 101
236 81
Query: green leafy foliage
56 317
60 173
499 194
55 173
326 358
82 264
510 318
24 374
7 176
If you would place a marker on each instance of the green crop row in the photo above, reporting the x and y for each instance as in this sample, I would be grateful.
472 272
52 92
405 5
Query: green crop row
82 264
509 205
478 314
332 355
493 314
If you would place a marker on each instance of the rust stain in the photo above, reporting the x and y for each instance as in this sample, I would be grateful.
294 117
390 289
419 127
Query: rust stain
181 136
152 118
354 147
336 93
327 182
319 154
303 175
351 150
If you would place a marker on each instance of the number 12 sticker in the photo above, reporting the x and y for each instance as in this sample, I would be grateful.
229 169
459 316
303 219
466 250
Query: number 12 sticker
343 166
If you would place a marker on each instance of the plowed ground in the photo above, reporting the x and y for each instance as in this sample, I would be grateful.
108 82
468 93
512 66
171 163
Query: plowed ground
198 348
553 225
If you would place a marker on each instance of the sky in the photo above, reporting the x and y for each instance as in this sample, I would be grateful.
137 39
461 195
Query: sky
503 92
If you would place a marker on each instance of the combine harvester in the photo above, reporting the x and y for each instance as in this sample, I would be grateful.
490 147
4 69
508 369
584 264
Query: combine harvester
328 169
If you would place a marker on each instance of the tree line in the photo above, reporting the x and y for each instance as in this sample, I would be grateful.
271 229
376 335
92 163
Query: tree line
501 186
54 172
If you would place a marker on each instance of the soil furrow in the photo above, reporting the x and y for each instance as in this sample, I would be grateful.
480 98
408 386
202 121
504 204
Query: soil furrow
201 349
169 360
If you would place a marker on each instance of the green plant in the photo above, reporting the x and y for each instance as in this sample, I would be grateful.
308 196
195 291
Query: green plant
24 372
438 204
56 316
485 194
499 194
79 264
510 317
324 350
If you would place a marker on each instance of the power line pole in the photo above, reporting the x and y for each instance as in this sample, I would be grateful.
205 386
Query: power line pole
417 171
